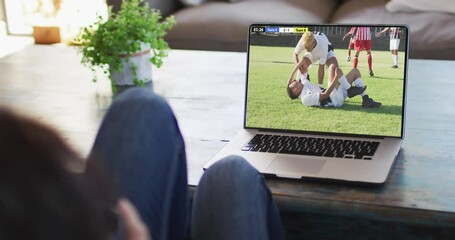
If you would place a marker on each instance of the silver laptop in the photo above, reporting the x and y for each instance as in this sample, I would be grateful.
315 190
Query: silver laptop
346 132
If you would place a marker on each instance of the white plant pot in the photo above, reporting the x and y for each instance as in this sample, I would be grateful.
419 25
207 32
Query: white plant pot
124 79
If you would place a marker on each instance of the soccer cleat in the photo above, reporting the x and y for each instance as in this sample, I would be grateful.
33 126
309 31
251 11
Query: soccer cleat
348 58
394 66
354 91
370 103
371 73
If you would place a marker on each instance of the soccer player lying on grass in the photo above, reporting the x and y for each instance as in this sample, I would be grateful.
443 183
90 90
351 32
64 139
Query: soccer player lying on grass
318 48
340 87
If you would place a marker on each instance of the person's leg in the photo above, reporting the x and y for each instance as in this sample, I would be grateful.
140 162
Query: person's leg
232 201
369 59
332 64
353 75
348 58
140 143
394 45
356 58
395 58
345 81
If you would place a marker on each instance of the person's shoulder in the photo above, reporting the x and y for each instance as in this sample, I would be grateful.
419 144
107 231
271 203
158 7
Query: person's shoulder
321 37
299 47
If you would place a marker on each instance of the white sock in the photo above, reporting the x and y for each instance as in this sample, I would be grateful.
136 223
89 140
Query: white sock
395 60
359 83
321 86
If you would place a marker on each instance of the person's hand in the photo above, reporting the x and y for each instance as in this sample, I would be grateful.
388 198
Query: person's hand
344 37
303 69
135 229
378 34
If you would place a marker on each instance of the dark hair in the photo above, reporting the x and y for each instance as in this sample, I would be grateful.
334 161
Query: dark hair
39 197
291 94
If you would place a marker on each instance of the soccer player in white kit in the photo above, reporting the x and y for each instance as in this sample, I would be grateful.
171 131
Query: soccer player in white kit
340 88
318 48
394 33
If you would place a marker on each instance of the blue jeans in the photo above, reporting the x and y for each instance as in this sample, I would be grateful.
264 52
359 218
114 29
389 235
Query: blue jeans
232 201
140 144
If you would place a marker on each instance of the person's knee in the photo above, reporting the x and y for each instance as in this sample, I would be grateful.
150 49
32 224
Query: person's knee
141 99
331 61
232 168
232 162
137 95
356 72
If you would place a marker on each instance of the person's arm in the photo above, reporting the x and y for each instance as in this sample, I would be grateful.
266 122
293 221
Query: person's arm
300 65
296 59
378 34
347 34
324 95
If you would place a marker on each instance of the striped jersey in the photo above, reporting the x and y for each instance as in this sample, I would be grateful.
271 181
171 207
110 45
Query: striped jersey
352 31
362 33
394 33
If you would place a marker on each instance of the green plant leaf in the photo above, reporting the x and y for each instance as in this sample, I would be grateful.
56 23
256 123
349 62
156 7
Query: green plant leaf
107 40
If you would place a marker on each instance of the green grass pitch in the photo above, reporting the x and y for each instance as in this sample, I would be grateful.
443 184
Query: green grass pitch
270 107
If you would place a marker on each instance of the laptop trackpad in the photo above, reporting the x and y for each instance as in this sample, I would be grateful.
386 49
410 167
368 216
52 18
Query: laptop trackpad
295 167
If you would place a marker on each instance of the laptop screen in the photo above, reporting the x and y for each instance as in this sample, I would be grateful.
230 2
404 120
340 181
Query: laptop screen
342 79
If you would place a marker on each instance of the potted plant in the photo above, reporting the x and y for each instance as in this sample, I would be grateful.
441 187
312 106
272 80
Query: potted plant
126 44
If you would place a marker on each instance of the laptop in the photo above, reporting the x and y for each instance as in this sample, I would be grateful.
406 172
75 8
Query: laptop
289 138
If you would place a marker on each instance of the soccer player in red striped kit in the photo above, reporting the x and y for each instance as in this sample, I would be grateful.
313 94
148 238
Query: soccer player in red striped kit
362 37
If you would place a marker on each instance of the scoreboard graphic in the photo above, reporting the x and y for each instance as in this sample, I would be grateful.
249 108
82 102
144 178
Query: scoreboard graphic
267 29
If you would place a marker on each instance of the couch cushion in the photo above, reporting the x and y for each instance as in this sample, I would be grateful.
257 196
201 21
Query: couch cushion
432 34
224 25
192 3
421 6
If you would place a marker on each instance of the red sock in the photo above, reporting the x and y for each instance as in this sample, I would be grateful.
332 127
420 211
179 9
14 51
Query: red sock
370 61
356 61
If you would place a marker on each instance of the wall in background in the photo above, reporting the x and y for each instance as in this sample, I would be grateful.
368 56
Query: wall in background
69 15
2 11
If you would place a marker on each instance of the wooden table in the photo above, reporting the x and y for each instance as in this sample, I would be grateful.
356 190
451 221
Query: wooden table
206 91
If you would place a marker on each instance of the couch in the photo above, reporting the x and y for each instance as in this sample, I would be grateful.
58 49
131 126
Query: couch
222 24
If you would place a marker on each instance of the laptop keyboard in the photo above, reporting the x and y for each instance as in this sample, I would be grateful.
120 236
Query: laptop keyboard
323 147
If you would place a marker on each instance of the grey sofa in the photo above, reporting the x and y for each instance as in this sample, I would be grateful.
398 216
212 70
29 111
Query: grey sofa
222 24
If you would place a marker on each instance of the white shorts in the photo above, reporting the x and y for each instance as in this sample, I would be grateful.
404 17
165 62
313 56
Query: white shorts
330 54
394 44
339 94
